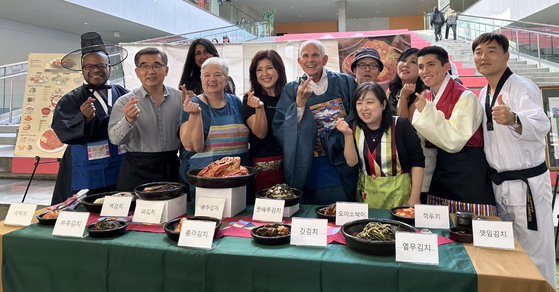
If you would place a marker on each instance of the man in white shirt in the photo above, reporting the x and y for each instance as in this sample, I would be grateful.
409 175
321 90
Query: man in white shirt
514 129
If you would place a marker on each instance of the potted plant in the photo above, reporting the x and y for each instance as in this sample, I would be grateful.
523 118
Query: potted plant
268 16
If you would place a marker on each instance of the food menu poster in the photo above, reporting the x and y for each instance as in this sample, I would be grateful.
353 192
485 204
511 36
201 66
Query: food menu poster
390 47
47 81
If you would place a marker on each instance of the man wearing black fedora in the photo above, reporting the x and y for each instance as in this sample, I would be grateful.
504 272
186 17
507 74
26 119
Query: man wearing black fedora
81 119
366 65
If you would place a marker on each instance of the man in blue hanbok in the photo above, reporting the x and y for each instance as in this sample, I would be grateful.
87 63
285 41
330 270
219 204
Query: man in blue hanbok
305 127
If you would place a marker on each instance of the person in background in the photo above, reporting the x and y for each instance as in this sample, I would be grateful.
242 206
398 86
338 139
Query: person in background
225 39
449 118
215 41
146 122
453 71
405 84
199 51
304 125
437 20
450 19
514 130
388 151
366 65
267 78
212 124
81 120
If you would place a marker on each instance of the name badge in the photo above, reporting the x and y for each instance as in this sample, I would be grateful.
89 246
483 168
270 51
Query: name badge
268 210
116 206
71 224
417 248
309 232
20 214
196 233
431 216
495 234
211 207
148 211
346 212
98 150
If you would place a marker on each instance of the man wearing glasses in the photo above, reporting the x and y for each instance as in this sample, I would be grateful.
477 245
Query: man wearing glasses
366 65
146 122
81 120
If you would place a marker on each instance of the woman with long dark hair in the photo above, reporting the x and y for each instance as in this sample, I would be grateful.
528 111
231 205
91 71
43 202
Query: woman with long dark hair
267 79
388 151
200 50
405 84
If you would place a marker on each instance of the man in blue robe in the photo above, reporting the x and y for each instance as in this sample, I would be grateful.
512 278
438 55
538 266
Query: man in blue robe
305 127
81 120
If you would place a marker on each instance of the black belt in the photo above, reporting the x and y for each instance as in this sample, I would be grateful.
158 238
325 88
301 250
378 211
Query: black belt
523 174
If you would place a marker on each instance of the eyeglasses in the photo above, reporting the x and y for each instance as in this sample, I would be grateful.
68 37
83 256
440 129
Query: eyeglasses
90 67
155 66
364 65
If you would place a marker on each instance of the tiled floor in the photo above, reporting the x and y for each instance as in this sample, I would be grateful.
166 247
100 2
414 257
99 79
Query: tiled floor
12 190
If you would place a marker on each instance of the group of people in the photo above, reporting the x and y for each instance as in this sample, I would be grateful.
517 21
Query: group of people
427 139
438 19
225 40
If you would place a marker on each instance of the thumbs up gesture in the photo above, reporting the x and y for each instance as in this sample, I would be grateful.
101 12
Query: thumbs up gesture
502 114
131 110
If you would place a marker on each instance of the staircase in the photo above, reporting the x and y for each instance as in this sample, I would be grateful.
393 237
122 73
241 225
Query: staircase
460 53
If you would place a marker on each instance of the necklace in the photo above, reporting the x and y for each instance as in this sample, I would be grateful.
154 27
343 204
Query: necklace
376 135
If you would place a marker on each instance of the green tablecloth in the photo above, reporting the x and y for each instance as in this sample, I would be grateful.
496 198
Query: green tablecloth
34 260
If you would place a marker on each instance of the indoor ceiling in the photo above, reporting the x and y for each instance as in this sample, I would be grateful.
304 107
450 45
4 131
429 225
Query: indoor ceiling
67 17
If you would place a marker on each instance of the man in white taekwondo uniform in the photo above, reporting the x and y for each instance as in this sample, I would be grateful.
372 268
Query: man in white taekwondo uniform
514 129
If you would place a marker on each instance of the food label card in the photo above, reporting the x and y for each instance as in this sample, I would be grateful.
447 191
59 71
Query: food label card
268 210
116 206
71 224
431 216
20 214
197 233
496 234
417 248
211 207
148 211
309 232
346 212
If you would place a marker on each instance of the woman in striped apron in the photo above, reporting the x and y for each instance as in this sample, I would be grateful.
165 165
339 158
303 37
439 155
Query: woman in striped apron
388 151
212 124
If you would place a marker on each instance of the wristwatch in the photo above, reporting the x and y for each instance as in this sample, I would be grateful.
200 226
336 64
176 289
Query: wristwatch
517 121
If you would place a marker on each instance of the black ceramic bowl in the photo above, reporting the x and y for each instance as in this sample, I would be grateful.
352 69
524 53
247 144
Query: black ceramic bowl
107 233
173 192
172 225
331 218
267 240
87 202
47 221
461 234
371 246
402 218
288 201
221 182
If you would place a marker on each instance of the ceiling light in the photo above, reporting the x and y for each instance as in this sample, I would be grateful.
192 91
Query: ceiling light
116 33
85 23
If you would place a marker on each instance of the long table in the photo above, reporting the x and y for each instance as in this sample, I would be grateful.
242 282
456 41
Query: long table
34 260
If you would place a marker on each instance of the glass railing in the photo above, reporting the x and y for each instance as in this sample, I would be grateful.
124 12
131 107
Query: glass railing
12 88
526 39
250 32
530 39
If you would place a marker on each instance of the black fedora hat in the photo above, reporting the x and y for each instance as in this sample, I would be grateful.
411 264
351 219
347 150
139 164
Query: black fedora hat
367 53
92 42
